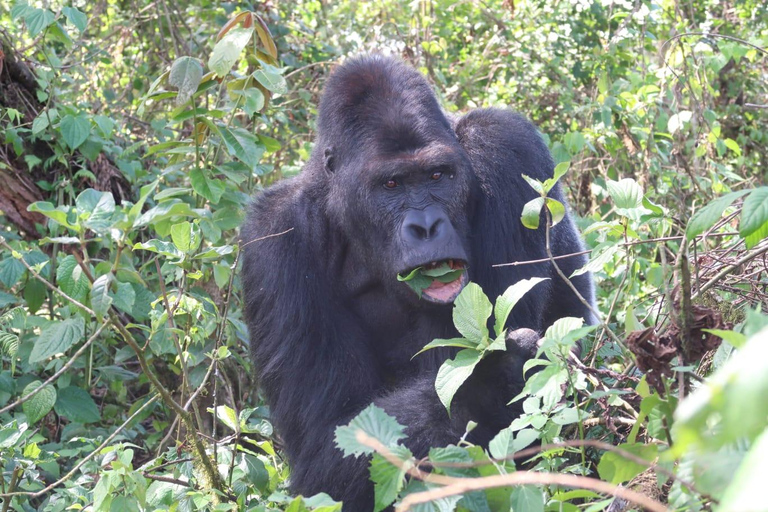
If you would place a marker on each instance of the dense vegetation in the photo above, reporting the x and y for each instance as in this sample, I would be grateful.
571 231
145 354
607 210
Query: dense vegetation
133 133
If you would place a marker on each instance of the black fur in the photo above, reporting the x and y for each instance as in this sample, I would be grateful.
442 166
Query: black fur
332 329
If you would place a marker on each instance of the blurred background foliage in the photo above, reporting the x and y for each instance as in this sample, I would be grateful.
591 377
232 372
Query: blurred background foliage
133 132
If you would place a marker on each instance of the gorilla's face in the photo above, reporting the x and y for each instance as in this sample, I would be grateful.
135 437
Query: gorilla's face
408 209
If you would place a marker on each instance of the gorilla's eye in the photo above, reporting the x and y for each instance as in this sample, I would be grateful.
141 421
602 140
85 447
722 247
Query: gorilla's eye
390 184
437 175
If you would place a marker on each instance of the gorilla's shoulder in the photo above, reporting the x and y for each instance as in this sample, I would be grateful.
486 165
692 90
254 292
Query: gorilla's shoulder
273 210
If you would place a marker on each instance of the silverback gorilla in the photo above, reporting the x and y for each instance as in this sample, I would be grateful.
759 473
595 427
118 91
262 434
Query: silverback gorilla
393 184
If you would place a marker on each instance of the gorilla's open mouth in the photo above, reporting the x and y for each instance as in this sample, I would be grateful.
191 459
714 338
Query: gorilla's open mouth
438 281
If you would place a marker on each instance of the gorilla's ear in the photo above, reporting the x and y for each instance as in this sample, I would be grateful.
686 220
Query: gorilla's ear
329 160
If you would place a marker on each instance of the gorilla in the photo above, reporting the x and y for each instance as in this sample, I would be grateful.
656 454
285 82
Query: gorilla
392 184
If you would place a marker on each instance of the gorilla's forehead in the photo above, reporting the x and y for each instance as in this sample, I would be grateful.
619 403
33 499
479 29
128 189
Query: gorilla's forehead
432 156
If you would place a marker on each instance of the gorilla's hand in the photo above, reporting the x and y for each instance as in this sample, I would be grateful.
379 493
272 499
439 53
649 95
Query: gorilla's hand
522 343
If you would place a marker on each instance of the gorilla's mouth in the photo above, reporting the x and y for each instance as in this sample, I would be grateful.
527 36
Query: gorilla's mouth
438 281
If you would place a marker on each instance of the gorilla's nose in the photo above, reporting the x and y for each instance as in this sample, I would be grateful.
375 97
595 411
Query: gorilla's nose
423 225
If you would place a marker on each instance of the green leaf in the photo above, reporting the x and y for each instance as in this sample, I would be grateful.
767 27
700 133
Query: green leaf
76 18
11 271
186 74
100 299
527 498
375 422
560 170
124 297
453 373
77 405
57 338
39 405
532 213
470 313
38 20
746 490
96 208
510 298
160 247
181 234
734 338
71 278
601 255
733 146
626 194
453 342
556 210
242 144
75 130
228 417
389 480
754 215
227 51
535 184
616 469
209 188
58 215
708 216
271 79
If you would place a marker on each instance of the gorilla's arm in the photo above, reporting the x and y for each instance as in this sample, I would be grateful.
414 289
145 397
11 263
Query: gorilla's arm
503 146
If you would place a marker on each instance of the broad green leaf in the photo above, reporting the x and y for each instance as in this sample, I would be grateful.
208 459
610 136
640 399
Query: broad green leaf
57 338
11 270
97 208
754 216
209 188
535 184
38 20
733 146
453 373
58 215
736 339
453 342
227 416
39 405
527 498
71 278
560 170
626 193
470 313
388 478
124 297
160 247
532 213
740 385
74 130
556 210
186 74
227 51
181 234
616 469
708 216
271 79
746 490
601 255
375 422
100 299
242 144
510 298
76 18
163 211
77 405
